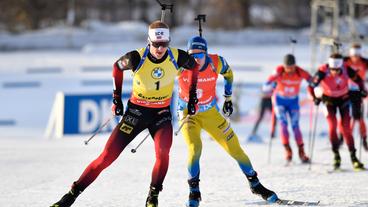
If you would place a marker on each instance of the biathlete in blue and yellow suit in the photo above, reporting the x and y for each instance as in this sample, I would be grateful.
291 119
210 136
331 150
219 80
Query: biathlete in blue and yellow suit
209 118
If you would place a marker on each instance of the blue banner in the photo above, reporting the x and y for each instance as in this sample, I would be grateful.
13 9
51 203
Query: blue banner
84 114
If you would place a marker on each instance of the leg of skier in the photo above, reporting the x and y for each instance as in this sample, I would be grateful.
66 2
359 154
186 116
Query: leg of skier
115 145
339 133
273 122
363 133
346 131
192 134
161 130
281 114
332 124
294 118
221 131
357 113
261 112
362 126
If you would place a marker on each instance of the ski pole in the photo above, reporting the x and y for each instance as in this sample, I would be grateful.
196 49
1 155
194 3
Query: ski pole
272 135
181 125
310 126
313 137
273 123
98 130
269 150
140 143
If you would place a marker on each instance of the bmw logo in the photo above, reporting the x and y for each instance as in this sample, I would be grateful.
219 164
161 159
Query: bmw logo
157 73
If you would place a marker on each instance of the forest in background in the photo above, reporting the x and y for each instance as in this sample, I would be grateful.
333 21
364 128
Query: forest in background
18 16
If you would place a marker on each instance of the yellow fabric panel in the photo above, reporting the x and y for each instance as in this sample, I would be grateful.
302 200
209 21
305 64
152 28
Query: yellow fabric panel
219 129
155 82
219 64
229 74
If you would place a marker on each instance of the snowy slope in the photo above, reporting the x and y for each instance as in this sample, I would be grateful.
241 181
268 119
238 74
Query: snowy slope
37 171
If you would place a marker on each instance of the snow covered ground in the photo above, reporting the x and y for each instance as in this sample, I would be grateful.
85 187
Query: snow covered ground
37 171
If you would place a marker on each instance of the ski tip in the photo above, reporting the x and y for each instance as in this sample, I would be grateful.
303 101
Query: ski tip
360 169
339 170
297 203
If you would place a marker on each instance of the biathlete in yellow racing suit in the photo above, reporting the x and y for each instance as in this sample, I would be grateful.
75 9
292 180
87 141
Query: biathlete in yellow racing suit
209 118
155 68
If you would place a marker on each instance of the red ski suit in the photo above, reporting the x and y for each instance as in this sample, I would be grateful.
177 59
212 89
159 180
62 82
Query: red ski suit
336 97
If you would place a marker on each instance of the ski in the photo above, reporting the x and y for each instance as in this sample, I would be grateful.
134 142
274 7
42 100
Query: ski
296 203
339 170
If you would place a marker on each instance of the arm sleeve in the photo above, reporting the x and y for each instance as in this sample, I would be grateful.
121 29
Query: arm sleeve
129 61
366 67
225 70
275 75
315 81
305 75
353 75
185 60
317 78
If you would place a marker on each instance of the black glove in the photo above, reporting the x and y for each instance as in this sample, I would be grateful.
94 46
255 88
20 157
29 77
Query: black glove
117 108
227 108
192 106
317 101
192 103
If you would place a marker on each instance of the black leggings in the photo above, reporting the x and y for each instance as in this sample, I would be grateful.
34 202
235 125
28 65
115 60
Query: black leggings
265 105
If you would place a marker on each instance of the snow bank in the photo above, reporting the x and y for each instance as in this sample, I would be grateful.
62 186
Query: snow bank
95 32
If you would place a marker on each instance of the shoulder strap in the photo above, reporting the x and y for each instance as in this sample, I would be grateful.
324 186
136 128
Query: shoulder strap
172 58
143 58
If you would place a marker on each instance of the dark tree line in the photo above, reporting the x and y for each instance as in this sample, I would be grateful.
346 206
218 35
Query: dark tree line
20 15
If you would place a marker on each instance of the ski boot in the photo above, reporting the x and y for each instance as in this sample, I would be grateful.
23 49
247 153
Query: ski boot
254 138
337 160
194 194
68 199
257 188
357 165
152 198
288 153
302 155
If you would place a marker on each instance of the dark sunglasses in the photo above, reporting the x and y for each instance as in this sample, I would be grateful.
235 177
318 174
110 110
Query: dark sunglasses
198 55
335 69
159 44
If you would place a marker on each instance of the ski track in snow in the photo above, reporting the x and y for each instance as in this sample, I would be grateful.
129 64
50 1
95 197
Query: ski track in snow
37 172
